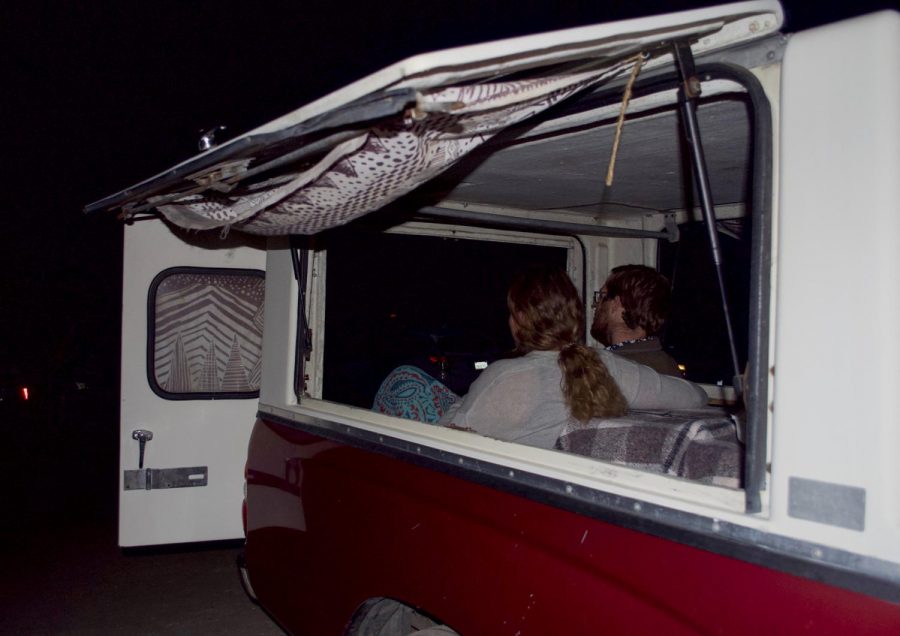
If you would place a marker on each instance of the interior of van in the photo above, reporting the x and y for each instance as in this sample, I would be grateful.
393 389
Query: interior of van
423 281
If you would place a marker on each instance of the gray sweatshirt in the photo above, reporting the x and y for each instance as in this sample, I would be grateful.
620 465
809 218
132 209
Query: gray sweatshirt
521 400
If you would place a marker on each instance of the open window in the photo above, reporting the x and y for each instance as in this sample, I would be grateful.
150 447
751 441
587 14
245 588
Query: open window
434 300
694 334
439 273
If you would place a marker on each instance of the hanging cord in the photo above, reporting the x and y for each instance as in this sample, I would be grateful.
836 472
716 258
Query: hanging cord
638 62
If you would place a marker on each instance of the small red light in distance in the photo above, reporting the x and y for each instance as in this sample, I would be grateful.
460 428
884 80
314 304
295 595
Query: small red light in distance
24 393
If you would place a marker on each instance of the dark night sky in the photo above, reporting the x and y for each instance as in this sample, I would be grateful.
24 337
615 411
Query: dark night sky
99 95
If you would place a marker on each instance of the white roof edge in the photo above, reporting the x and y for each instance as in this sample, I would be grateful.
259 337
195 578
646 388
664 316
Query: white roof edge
576 36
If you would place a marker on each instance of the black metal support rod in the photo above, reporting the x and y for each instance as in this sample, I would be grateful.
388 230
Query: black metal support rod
688 93
299 263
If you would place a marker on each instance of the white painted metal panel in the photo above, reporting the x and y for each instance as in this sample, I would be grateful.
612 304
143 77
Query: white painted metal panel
186 433
836 397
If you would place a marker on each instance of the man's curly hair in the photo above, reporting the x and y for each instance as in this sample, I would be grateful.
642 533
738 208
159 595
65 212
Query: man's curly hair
645 295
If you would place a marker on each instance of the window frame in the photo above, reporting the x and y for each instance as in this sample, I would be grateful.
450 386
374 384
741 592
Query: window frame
545 473
151 333
315 292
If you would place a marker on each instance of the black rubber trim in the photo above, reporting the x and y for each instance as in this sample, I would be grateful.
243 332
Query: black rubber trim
151 331
756 391
839 568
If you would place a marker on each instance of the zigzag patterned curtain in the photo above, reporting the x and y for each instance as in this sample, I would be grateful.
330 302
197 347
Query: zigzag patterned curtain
376 167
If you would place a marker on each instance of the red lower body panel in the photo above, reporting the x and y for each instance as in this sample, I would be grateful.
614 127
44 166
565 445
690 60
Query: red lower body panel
330 525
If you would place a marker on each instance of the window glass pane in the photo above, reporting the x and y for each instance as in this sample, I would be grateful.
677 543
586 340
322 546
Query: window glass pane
205 330
436 303
695 334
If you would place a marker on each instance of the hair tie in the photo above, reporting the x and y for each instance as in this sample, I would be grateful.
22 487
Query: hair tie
571 345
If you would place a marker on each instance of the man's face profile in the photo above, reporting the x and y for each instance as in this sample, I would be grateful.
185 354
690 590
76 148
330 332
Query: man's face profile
602 317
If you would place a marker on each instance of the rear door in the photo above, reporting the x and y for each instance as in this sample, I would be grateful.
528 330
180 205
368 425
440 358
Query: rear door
191 353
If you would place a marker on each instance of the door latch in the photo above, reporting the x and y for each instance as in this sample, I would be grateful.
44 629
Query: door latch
160 478
142 437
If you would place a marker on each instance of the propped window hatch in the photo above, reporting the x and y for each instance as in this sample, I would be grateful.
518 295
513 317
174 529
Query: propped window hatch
356 150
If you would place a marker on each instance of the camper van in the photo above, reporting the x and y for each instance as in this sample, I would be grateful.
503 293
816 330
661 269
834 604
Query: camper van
273 281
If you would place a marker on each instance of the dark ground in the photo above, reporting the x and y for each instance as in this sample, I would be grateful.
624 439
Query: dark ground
63 572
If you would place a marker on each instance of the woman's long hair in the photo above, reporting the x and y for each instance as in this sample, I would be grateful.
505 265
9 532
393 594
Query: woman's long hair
549 316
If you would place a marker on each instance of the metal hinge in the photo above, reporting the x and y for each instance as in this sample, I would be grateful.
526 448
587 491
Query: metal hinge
160 478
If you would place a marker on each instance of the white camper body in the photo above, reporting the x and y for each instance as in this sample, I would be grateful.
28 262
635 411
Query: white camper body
802 138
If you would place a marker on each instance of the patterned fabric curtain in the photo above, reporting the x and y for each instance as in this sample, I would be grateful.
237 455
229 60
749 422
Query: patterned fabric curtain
381 164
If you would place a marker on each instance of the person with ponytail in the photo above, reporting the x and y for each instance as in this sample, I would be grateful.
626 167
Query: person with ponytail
557 378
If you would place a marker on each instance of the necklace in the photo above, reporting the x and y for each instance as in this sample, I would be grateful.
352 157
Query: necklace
630 342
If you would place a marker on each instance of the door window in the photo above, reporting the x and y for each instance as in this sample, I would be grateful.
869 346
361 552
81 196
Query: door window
205 333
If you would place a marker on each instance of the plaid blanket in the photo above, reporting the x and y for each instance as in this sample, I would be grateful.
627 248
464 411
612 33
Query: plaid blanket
697 445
